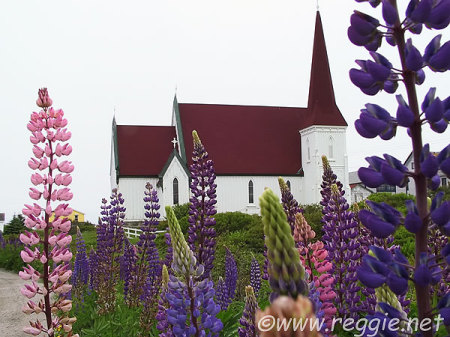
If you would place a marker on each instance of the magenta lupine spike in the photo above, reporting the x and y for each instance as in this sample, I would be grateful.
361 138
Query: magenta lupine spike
47 242
201 230
313 257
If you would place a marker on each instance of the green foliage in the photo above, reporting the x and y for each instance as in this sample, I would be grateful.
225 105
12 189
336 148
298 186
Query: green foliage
15 226
445 189
313 215
181 210
123 322
10 258
395 200
235 221
230 319
84 227
406 241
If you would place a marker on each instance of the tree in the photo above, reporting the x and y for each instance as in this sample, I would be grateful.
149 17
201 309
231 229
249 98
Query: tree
15 226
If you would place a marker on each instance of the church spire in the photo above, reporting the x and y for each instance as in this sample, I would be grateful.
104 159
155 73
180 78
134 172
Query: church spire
321 100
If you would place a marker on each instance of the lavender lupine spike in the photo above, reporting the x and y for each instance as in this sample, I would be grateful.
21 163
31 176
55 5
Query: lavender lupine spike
93 267
81 271
110 237
201 230
247 320
375 121
189 300
340 237
255 276
286 273
129 270
290 205
48 127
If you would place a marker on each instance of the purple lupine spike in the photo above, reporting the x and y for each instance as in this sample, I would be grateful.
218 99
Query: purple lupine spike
190 299
81 271
162 324
201 230
231 274
340 238
328 179
169 254
290 205
255 276
93 270
110 238
265 275
128 268
222 298
247 320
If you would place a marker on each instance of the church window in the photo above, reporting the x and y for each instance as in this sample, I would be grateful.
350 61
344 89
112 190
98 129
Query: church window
330 148
288 183
309 151
250 192
175 191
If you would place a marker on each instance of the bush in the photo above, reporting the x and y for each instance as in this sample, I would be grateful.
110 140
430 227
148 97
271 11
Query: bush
395 200
235 221
181 210
10 255
313 215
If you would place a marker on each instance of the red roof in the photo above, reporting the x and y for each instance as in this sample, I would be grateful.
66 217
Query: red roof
246 139
143 150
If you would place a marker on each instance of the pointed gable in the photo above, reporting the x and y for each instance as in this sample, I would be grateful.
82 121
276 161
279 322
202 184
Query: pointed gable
321 100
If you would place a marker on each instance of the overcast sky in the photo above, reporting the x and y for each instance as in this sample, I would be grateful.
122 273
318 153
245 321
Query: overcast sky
98 56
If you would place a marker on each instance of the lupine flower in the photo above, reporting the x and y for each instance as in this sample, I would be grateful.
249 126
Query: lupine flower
190 300
314 259
110 237
55 238
129 266
290 205
286 274
255 276
93 267
161 316
247 320
222 298
202 207
231 274
340 238
285 308
169 254
328 179
81 270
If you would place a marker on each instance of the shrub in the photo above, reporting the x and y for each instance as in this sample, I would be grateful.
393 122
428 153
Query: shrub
15 226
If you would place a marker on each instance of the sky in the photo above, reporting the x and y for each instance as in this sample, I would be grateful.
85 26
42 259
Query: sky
99 58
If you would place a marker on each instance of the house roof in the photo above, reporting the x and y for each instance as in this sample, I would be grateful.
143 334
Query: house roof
256 140
143 150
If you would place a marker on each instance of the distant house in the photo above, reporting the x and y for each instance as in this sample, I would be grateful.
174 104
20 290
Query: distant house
410 188
358 190
76 216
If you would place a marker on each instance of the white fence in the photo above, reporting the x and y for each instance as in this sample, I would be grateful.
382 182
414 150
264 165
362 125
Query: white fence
131 232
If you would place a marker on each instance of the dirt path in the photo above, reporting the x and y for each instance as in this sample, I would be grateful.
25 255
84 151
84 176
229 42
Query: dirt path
12 319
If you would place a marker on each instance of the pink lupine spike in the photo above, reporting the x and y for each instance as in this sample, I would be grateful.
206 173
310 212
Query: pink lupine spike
44 100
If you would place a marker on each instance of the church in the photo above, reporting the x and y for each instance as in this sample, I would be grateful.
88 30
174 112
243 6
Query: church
251 146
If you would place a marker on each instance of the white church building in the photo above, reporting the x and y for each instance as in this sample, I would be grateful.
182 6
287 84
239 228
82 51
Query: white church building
251 146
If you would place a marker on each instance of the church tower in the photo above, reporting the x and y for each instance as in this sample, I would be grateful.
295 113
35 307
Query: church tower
326 130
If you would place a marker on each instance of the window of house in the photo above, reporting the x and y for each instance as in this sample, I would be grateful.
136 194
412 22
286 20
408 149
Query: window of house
412 165
76 217
444 181
250 192
288 183
175 191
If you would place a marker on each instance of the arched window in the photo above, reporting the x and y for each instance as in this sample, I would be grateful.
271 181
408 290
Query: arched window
250 192
309 151
330 147
175 191
288 183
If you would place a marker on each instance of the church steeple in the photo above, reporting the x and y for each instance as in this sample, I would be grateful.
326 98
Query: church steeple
321 100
